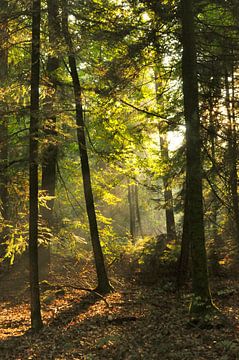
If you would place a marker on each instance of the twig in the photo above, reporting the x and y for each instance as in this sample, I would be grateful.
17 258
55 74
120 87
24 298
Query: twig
145 111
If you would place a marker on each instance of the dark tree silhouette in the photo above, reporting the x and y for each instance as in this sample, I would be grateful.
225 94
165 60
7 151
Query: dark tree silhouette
36 321
103 282
4 147
193 217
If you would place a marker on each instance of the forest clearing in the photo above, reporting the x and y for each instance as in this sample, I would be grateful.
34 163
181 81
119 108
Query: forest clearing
119 175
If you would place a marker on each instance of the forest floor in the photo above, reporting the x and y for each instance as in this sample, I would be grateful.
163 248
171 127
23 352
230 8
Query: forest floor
134 322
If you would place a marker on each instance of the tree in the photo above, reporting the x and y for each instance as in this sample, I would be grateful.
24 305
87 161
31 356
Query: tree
103 282
134 212
4 147
193 215
167 184
218 61
168 194
36 321
232 149
50 147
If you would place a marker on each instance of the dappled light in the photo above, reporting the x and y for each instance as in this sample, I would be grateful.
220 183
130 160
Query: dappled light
119 205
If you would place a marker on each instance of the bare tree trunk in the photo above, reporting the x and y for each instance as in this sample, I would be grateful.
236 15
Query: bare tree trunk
135 224
137 209
168 194
216 238
193 217
132 213
36 321
103 282
50 150
183 262
4 148
232 152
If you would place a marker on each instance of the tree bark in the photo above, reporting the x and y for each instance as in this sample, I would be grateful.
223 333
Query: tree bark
36 321
168 194
135 225
103 282
183 262
232 152
49 127
50 150
193 217
132 211
216 238
4 147
137 209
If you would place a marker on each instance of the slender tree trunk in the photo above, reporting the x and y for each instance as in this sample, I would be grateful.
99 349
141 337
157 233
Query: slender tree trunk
103 282
36 321
135 224
4 148
183 262
132 212
216 238
193 217
232 152
137 209
168 194
50 150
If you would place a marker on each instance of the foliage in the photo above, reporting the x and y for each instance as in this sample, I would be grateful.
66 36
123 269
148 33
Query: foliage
128 56
148 258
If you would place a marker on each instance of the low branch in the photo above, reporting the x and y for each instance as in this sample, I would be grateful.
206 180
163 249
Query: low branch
88 290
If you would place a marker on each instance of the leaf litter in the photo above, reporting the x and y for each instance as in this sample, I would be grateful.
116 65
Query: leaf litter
140 322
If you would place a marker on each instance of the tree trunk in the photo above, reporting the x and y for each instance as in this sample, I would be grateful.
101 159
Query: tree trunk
137 209
132 213
216 238
4 148
103 282
183 262
232 152
193 217
49 128
49 156
36 321
168 194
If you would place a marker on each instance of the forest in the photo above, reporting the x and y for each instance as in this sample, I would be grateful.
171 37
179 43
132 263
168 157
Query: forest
119 176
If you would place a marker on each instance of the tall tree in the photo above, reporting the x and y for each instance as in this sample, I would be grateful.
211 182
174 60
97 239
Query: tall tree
168 194
134 212
4 178
36 321
232 148
193 217
103 282
167 183
50 151
50 148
